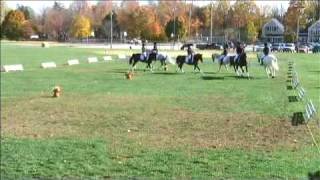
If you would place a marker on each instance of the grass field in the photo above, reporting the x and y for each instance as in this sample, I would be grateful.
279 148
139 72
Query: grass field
162 124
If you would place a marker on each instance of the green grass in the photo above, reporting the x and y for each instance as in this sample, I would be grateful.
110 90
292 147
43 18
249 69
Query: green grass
161 124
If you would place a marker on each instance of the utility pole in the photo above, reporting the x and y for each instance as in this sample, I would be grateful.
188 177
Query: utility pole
111 26
300 10
211 22
174 25
190 14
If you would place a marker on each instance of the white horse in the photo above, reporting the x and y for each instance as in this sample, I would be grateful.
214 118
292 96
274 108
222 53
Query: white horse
228 59
164 60
270 63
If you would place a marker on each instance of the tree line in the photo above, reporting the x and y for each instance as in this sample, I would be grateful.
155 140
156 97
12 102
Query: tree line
157 21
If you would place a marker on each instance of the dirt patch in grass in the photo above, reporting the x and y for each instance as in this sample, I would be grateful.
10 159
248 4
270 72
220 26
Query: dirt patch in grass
147 121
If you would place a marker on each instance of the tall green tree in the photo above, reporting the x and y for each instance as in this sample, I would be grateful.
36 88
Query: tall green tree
27 11
180 29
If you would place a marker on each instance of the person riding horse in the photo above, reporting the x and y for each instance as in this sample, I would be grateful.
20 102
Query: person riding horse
190 55
143 52
155 48
266 51
224 53
239 51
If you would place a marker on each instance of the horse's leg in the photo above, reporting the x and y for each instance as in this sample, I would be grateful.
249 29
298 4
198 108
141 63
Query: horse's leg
133 65
181 69
219 67
267 71
273 72
165 66
247 71
236 69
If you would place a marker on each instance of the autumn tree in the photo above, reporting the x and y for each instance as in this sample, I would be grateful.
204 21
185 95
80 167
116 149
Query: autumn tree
81 27
242 13
294 15
57 22
251 32
13 25
4 11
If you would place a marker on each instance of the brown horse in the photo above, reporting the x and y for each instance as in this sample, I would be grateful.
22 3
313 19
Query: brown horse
180 60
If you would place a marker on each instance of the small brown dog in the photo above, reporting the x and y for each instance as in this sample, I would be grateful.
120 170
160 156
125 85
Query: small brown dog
129 75
57 91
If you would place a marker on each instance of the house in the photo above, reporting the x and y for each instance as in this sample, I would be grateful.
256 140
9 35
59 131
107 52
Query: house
273 31
303 37
314 32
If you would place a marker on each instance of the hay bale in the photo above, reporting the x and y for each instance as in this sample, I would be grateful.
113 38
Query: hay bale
45 45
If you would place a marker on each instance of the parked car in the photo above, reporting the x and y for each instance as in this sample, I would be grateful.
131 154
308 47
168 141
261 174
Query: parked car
289 47
277 47
186 45
209 46
316 48
303 48
260 47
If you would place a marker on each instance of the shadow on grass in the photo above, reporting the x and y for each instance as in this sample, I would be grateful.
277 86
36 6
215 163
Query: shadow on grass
297 118
47 96
212 78
122 71
293 98
165 73
210 72
315 71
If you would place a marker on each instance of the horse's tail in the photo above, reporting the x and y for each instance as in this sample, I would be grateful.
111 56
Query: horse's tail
213 57
275 64
170 60
178 59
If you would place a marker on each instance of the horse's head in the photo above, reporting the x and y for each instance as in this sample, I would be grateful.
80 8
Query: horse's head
200 58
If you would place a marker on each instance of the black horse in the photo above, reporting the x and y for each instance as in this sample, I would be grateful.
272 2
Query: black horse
136 57
242 61
180 60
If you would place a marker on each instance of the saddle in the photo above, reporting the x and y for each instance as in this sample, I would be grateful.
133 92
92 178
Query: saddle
189 60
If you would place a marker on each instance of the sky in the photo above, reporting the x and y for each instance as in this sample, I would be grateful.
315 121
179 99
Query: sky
38 5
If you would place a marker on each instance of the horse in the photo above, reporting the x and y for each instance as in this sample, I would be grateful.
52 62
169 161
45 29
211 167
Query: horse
242 61
136 57
180 60
229 59
270 63
163 58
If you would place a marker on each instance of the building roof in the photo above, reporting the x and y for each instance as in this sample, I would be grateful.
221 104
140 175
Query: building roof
276 22
314 24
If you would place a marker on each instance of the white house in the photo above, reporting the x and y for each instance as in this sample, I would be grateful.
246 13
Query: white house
273 31
314 32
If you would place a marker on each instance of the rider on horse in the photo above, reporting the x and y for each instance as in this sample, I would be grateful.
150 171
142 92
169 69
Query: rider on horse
143 52
155 48
224 53
266 51
190 55
239 51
